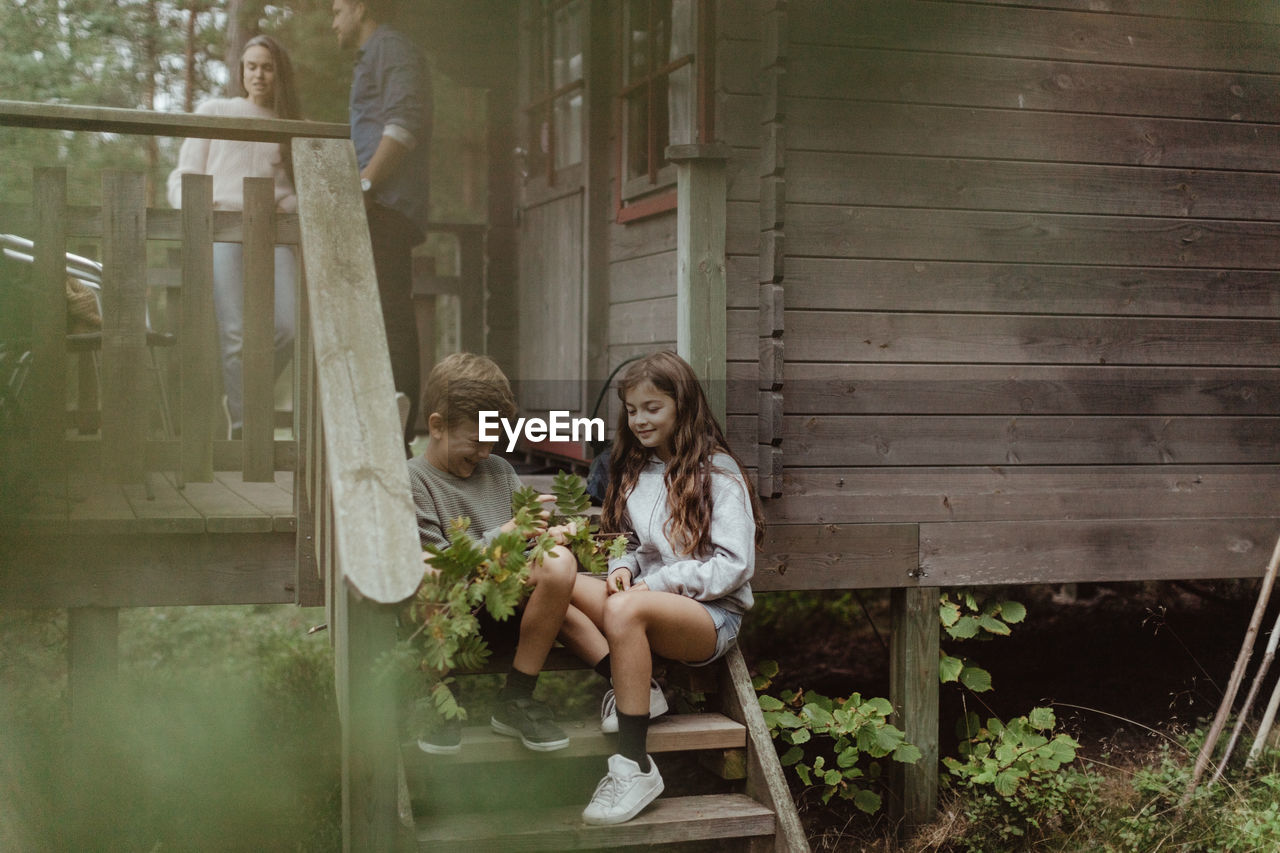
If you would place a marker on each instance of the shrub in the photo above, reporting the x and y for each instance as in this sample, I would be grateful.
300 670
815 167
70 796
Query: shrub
1018 787
853 734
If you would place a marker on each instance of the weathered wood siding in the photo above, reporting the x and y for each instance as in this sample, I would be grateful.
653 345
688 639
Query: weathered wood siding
1031 277
642 287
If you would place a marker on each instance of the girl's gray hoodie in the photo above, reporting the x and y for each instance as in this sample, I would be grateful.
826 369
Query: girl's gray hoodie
724 574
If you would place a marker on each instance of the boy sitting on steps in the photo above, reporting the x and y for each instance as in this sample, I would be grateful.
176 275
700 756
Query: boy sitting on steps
456 476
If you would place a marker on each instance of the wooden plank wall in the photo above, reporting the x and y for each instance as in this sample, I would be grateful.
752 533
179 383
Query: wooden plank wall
1032 280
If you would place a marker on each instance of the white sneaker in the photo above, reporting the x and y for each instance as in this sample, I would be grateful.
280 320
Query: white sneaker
623 793
609 708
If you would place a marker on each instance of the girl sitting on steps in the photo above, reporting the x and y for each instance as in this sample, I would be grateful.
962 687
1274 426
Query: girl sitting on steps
681 590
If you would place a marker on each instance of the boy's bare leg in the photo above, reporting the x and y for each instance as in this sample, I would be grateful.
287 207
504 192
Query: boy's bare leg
581 629
544 612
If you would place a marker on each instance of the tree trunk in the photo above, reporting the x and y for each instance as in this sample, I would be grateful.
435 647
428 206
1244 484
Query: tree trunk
236 37
189 78
151 52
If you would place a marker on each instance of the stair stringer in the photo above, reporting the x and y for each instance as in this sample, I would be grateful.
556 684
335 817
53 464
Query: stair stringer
765 781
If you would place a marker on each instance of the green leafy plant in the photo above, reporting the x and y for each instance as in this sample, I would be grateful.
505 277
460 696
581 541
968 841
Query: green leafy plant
592 551
851 734
1016 778
467 576
964 616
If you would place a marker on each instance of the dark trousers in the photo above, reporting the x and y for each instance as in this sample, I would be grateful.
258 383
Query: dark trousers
393 237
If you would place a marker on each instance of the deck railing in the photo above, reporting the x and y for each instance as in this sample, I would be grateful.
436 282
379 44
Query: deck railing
356 534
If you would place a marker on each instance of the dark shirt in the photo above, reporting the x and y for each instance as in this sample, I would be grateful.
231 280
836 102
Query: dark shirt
392 86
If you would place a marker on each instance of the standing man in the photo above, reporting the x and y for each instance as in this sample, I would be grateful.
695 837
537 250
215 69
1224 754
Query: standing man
391 129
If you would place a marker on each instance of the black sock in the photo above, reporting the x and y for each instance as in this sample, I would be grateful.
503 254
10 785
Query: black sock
518 685
633 732
603 668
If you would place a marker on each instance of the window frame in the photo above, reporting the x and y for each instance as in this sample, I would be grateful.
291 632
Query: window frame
539 111
653 193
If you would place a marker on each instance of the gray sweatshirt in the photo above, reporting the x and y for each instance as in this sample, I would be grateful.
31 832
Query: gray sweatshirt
484 497
722 576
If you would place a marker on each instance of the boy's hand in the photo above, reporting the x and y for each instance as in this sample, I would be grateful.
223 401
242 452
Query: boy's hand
619 580
562 531
427 568
539 524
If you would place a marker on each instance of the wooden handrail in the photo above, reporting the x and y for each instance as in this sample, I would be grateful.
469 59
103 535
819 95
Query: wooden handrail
374 529
151 123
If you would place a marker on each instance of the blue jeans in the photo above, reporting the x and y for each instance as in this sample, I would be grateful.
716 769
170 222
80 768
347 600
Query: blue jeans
228 305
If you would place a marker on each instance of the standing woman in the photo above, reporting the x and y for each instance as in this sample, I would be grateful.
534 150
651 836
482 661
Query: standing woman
266 90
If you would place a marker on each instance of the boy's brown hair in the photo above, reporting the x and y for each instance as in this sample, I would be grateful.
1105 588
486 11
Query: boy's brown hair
465 384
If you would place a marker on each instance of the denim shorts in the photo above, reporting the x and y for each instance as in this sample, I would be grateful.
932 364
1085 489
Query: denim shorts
727 623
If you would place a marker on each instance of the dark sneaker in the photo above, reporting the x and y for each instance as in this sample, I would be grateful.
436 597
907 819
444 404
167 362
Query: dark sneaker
531 721
444 739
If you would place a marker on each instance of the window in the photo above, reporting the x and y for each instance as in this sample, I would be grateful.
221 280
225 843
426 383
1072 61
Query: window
555 104
662 89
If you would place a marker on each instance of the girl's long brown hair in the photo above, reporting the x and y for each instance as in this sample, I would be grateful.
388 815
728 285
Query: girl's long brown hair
284 91
695 439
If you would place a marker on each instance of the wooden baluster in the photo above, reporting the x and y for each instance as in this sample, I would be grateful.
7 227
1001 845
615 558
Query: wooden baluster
49 325
126 401
258 346
309 584
198 337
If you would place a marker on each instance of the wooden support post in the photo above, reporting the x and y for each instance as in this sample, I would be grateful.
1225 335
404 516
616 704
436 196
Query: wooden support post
701 316
913 690
471 296
92 667
370 741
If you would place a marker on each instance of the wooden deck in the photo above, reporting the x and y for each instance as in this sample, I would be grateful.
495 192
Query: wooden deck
226 505
89 542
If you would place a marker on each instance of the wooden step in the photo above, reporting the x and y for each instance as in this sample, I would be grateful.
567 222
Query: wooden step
697 818
669 733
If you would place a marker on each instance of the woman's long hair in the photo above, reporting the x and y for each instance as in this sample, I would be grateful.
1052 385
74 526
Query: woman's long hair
284 91
694 440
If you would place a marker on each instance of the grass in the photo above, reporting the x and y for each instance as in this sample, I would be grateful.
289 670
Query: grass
222 735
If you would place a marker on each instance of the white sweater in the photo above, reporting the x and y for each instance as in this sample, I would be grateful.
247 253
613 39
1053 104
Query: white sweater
724 574
230 161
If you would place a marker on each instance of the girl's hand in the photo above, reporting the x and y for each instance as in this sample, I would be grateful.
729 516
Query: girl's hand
639 585
619 580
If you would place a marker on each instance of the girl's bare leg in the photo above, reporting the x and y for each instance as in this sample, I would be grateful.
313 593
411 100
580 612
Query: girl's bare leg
640 623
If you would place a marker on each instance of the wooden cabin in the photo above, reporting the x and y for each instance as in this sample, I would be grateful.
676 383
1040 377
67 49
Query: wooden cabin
996 296
988 293
989 290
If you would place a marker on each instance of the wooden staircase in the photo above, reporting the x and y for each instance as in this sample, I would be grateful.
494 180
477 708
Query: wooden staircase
724 785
